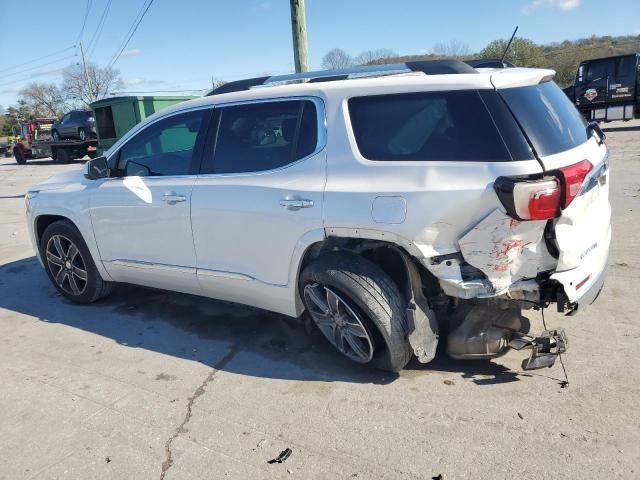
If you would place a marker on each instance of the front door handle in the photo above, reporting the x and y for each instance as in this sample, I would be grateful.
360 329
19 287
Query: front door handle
296 203
172 198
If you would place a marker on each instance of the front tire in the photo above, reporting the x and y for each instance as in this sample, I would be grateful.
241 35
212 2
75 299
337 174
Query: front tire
359 309
19 156
55 136
69 264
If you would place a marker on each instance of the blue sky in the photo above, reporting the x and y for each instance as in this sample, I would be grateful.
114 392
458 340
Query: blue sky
182 44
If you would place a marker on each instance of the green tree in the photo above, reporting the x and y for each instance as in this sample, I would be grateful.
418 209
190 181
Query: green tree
522 52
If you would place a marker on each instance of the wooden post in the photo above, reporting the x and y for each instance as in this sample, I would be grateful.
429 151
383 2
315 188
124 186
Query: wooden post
299 31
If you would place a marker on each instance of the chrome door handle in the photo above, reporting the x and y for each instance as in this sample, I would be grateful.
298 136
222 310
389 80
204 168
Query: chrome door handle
296 203
172 198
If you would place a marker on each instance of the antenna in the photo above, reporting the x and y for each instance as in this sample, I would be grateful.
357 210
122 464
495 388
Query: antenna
509 44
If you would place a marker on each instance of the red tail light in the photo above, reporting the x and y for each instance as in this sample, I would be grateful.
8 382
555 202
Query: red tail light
544 203
574 176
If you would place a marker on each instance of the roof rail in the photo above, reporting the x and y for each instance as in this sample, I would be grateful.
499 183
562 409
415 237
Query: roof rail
431 67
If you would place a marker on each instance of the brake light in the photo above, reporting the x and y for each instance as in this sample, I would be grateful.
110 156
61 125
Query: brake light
574 176
544 203
529 199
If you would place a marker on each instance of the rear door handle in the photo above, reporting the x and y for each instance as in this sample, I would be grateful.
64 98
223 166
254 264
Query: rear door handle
172 198
296 203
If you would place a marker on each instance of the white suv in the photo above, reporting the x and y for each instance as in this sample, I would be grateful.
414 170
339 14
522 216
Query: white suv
395 204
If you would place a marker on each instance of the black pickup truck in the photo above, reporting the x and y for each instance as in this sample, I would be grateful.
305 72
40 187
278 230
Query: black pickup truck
608 89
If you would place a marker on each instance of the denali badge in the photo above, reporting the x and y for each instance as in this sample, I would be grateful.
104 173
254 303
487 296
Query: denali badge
590 94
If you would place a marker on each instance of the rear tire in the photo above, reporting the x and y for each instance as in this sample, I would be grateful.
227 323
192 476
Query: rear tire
372 296
19 156
69 264
82 134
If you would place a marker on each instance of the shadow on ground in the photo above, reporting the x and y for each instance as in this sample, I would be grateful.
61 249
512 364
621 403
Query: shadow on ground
199 329
628 128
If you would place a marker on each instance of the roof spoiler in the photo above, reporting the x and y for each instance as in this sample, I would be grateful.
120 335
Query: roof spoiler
489 63
430 67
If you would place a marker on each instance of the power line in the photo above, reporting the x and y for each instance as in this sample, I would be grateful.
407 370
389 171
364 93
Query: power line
133 31
4 70
37 66
31 75
84 22
96 35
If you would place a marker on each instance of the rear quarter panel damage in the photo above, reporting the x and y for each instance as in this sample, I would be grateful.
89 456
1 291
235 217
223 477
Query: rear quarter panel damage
506 250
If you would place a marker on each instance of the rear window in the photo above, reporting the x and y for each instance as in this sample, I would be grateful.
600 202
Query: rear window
448 126
547 117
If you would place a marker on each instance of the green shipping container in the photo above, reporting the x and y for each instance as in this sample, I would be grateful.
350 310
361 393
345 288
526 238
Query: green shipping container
117 115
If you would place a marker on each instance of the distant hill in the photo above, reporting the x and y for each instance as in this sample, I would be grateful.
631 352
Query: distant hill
563 57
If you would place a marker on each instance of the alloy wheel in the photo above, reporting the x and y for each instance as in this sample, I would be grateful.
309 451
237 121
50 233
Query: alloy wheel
342 326
66 265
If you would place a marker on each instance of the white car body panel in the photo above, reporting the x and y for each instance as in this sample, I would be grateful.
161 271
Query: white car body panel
142 238
231 239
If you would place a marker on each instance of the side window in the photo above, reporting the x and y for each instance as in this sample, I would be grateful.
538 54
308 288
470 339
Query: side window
104 121
625 67
448 126
598 69
164 148
66 118
263 136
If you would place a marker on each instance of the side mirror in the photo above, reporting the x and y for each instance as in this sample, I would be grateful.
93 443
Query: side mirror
96 168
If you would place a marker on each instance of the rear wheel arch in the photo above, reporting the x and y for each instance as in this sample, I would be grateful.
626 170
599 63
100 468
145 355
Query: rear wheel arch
388 256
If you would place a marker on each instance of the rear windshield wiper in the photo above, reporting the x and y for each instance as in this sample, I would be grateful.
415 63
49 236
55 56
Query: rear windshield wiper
594 128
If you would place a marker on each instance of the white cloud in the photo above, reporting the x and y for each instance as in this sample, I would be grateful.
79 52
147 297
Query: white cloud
564 5
132 52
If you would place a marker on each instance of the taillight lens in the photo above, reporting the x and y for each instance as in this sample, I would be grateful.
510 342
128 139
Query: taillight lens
529 199
574 176
544 203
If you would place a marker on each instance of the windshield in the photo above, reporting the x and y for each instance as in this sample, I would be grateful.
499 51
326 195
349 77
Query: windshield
547 116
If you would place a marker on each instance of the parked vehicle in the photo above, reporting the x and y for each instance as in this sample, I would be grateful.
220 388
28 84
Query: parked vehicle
607 89
61 151
412 203
77 124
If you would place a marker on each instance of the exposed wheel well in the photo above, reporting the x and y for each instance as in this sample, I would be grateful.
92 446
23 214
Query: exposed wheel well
386 255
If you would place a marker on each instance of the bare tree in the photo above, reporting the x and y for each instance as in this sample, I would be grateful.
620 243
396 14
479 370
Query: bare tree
44 99
336 58
452 48
372 57
86 86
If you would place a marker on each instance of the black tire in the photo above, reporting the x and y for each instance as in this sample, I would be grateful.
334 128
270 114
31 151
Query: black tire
55 135
372 293
94 287
54 154
82 134
63 155
19 156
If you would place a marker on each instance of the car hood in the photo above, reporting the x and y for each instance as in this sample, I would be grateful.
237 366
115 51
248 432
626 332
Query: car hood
62 180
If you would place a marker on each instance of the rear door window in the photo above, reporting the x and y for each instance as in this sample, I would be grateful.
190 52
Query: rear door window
547 116
263 136
430 126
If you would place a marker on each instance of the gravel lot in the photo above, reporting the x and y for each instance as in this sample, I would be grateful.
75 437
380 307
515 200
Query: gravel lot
156 385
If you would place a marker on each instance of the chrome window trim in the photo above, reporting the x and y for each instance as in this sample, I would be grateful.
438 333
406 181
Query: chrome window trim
321 143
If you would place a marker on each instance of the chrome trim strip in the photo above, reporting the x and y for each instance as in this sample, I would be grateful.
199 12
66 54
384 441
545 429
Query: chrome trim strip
151 266
223 274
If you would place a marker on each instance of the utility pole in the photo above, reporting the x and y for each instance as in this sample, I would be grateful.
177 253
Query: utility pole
299 31
86 74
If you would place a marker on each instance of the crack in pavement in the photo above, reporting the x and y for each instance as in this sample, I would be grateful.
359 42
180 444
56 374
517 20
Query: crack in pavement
168 461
